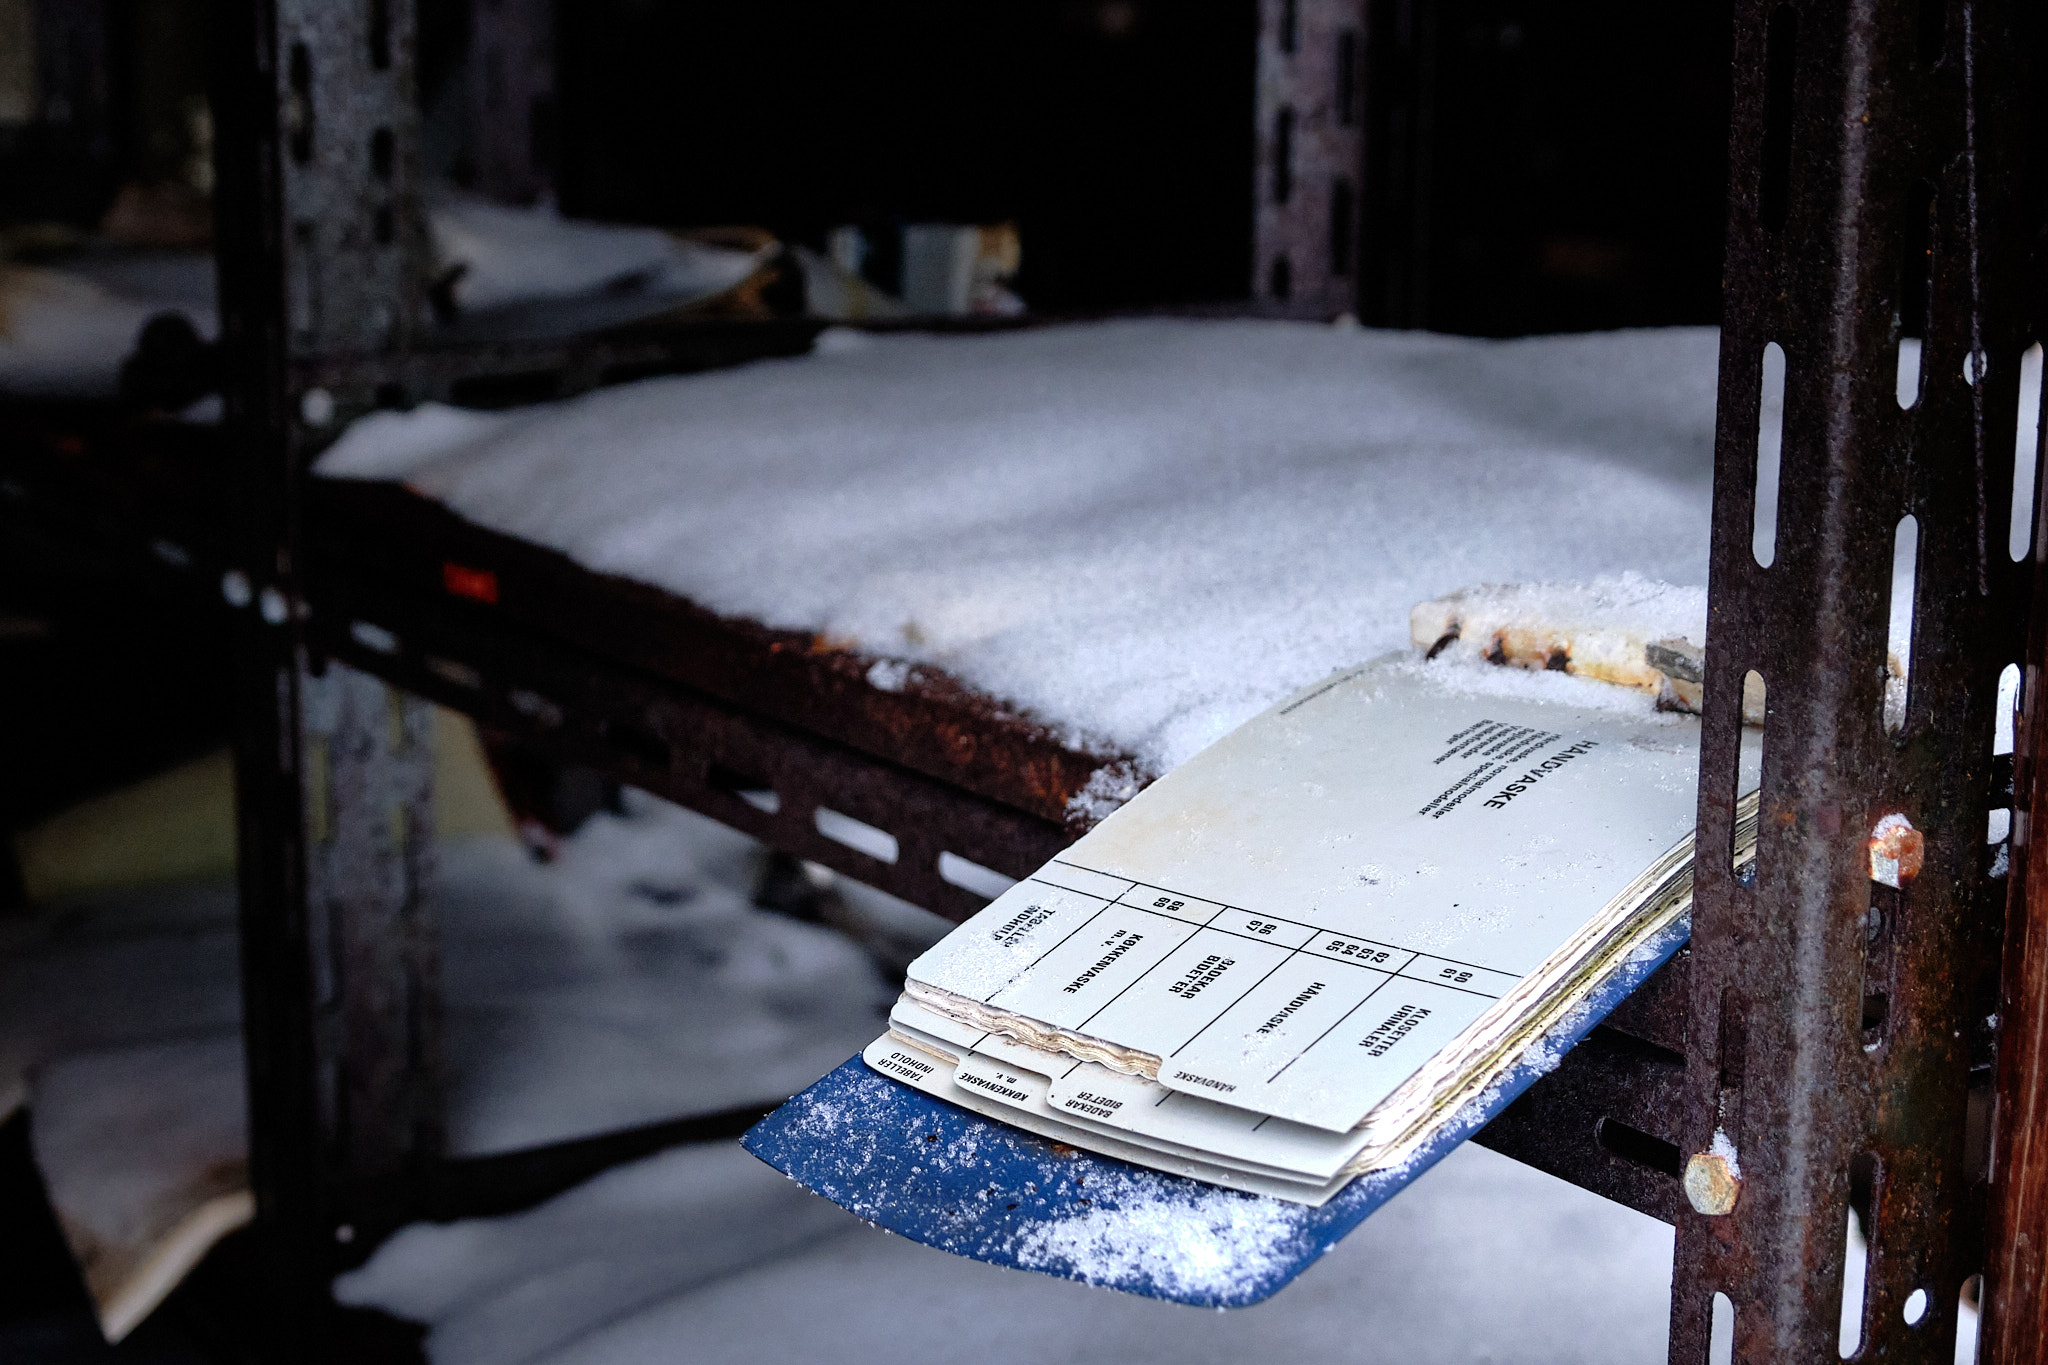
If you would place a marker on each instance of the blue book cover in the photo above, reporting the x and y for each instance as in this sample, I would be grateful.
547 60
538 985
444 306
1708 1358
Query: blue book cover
940 1175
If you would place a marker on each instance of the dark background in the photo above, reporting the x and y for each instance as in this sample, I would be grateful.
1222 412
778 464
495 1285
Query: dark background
1534 165
1116 135
1567 158
1578 172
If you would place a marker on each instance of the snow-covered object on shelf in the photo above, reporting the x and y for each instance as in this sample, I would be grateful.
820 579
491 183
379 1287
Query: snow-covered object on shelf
1288 927
1141 532
66 327
840 293
499 255
1603 629
1347 915
65 332
629 982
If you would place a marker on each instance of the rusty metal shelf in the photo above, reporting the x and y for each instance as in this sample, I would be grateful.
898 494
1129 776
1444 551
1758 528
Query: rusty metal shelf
661 694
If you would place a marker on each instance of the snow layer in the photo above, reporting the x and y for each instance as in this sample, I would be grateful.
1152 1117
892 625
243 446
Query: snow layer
633 981
1142 531
630 981
65 330
703 1254
122 970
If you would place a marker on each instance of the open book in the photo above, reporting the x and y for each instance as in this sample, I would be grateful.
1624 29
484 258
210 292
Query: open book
1293 959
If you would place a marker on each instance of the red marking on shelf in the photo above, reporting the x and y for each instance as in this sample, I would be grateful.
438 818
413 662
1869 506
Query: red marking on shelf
479 585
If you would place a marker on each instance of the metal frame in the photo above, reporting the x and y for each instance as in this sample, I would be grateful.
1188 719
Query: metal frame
1310 154
1767 1031
322 249
1838 1026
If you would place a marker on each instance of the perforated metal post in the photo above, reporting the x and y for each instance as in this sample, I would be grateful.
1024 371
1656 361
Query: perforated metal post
322 251
1310 156
511 94
1840 1030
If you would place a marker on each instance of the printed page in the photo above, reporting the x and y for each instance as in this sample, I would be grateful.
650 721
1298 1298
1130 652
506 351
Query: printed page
925 1065
1087 1094
1297 918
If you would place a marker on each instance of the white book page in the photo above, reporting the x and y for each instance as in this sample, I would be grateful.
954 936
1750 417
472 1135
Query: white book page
1296 919
910 1060
1086 1094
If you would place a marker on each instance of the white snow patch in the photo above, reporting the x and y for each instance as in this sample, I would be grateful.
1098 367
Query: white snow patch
628 982
384 445
1107 788
513 255
1208 1242
1723 1146
1139 532
889 675
65 334
711 1257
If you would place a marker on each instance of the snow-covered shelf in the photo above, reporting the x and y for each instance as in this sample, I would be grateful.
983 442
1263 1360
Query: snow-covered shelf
1037 568
920 608
1133 534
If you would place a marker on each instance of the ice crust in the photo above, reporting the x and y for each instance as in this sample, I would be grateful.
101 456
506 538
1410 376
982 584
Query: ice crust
1142 532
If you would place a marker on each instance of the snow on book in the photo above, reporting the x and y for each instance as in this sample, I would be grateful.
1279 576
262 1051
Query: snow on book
1292 959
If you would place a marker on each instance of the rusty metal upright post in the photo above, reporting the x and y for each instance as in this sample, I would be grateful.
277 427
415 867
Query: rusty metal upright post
322 251
1882 195
2015 1326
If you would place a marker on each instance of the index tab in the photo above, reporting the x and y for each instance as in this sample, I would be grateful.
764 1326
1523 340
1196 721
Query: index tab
1012 1086
893 1057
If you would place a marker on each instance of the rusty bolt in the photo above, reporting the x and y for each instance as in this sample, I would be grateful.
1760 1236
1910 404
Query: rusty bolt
1711 1184
1896 851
